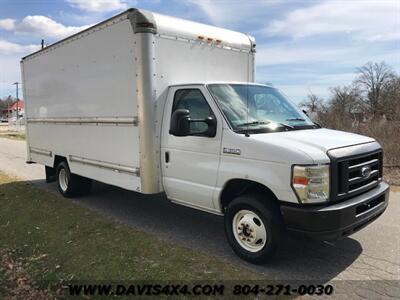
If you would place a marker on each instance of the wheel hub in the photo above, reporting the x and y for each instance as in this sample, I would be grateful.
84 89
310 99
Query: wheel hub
249 230
246 230
63 180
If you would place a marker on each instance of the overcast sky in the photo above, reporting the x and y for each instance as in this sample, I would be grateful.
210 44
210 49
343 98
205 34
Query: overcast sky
302 46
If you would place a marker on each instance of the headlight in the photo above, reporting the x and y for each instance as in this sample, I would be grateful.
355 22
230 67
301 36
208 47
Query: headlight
311 183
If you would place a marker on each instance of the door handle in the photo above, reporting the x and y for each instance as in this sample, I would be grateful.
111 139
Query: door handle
167 156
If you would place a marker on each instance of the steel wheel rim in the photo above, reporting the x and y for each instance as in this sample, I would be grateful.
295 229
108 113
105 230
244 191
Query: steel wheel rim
249 230
63 179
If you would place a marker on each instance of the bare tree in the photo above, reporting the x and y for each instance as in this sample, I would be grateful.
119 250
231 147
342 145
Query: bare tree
343 109
312 103
391 99
5 103
345 100
372 79
360 107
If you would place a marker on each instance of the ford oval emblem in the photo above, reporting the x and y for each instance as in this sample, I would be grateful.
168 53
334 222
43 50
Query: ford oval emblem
366 172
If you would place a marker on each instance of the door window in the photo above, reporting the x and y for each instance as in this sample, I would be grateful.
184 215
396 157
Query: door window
194 101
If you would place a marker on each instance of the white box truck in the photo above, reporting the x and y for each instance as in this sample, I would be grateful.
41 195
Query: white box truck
156 104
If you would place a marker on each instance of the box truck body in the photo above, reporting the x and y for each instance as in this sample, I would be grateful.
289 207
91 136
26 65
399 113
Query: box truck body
153 104
97 97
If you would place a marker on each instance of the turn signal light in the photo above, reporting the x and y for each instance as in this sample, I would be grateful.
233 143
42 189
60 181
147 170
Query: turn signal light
300 180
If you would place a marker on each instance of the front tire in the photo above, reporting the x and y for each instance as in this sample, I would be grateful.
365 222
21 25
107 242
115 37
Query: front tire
71 185
254 228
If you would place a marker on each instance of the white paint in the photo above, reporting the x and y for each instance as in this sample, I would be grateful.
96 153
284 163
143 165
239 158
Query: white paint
191 174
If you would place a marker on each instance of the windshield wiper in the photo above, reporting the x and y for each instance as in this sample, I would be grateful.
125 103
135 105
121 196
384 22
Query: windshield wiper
285 125
295 119
254 123
301 119
317 125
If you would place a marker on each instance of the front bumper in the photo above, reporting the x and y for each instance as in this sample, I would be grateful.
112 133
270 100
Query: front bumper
338 220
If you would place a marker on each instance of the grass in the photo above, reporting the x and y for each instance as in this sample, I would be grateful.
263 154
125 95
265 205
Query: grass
14 135
53 240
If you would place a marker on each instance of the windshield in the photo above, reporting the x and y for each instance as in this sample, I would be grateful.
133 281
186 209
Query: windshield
258 108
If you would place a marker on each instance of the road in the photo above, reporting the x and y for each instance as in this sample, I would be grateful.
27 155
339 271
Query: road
367 263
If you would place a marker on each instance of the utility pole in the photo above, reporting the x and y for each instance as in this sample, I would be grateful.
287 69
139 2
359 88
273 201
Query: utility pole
16 87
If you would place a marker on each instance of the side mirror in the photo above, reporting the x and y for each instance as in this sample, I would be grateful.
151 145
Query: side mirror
212 126
180 123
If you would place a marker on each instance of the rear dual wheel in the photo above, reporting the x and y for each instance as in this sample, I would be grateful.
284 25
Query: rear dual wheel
71 185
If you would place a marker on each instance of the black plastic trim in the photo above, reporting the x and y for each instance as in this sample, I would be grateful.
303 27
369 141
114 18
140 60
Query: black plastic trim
343 155
338 220
142 21
354 150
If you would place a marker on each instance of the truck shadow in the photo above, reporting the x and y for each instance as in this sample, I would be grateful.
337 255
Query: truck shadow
298 259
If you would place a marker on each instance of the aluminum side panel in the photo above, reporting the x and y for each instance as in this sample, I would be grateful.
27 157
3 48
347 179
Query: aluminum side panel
92 77
185 61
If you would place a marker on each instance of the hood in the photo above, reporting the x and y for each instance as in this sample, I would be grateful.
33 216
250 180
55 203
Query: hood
312 142
323 139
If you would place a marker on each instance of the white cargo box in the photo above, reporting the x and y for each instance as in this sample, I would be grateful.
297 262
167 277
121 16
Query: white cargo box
97 97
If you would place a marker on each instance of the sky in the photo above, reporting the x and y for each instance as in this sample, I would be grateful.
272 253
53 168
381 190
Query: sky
303 46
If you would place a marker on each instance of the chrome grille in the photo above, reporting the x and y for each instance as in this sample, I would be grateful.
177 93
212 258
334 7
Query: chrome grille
354 174
358 174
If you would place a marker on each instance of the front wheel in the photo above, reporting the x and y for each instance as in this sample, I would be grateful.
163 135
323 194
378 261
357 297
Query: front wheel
254 228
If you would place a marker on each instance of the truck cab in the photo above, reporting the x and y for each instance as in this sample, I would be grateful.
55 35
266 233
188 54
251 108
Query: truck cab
245 151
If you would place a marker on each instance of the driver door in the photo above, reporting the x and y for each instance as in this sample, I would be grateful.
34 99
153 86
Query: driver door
190 163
